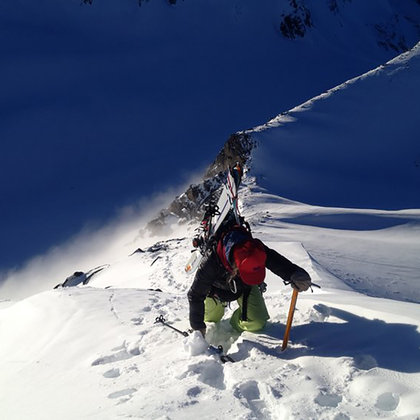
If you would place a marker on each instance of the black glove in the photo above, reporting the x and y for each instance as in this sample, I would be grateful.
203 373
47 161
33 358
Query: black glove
300 281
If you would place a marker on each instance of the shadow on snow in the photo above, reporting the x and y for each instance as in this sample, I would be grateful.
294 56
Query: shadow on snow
371 343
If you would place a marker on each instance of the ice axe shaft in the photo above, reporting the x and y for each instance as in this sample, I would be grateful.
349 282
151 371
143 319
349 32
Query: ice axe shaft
289 319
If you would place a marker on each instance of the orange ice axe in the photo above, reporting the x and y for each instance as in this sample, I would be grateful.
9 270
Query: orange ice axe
289 319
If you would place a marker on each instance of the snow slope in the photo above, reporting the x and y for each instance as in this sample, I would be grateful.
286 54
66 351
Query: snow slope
354 146
350 152
95 351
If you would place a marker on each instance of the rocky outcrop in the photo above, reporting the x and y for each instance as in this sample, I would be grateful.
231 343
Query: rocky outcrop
390 37
396 31
188 206
295 23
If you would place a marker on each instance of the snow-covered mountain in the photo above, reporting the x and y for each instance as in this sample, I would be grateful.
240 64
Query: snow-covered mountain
94 97
353 146
94 351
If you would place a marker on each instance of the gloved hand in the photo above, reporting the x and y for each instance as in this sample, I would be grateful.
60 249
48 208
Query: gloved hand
300 280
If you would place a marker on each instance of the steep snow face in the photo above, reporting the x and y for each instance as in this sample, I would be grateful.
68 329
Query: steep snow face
374 252
354 146
93 95
95 351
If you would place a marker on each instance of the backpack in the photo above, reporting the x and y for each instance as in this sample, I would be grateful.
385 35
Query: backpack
228 239
232 236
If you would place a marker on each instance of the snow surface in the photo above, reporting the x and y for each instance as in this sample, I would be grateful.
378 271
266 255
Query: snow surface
95 351
353 146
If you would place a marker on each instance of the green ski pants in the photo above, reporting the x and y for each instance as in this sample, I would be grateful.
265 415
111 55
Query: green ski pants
257 314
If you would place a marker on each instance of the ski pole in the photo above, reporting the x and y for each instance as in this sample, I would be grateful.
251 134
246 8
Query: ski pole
289 319
162 320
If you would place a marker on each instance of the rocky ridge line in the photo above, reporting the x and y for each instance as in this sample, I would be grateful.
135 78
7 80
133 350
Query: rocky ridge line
188 206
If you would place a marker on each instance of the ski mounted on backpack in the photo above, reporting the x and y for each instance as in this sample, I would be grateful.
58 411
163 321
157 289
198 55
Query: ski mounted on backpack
217 215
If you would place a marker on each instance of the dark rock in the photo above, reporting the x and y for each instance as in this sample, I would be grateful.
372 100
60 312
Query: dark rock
295 23
189 205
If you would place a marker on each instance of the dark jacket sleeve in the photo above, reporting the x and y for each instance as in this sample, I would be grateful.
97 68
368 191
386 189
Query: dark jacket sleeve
281 265
206 274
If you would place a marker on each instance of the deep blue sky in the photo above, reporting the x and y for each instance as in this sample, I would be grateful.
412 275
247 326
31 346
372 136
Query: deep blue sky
102 105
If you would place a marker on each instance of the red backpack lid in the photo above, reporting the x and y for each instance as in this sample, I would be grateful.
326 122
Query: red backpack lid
250 259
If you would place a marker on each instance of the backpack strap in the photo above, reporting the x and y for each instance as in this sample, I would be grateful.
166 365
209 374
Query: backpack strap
222 255
245 296
227 240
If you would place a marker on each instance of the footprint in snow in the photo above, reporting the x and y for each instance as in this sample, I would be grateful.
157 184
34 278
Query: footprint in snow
112 373
325 399
153 300
123 353
290 369
320 313
210 372
137 321
194 391
250 395
387 401
341 416
123 393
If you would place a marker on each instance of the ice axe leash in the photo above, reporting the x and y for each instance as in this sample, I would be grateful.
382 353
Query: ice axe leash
289 319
